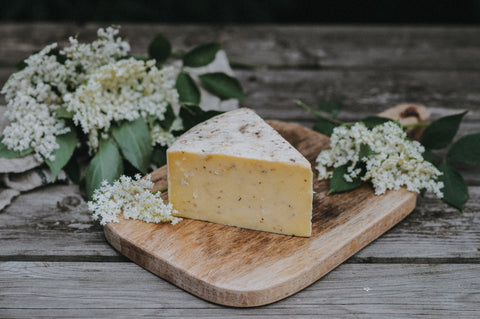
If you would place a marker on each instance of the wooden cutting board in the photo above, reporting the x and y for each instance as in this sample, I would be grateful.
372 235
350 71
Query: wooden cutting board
244 268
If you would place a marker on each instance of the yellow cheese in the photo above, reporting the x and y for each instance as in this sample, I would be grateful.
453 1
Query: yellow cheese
235 169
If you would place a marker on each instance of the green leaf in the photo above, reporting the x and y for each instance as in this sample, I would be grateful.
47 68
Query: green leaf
105 165
152 119
72 169
331 107
170 117
56 52
188 92
160 48
20 65
441 132
372 121
422 192
67 143
455 191
324 127
159 155
338 184
62 113
429 156
7 153
466 150
365 151
201 55
192 115
135 142
166 123
222 85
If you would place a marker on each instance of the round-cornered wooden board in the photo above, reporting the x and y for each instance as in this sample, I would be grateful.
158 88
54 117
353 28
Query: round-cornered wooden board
245 268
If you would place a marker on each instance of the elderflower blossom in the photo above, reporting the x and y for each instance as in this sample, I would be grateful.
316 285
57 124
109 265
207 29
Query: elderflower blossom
161 137
35 93
43 78
36 129
133 199
124 90
84 58
395 161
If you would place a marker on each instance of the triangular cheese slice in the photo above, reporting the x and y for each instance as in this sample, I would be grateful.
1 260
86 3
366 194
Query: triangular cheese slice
235 169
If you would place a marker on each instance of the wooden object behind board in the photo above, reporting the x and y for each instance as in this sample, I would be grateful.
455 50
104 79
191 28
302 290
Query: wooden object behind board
244 268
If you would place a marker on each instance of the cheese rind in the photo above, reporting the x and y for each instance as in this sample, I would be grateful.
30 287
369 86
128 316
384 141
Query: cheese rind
222 178
239 133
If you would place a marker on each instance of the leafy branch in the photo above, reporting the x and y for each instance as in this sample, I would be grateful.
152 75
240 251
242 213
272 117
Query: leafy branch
437 136
128 146
133 138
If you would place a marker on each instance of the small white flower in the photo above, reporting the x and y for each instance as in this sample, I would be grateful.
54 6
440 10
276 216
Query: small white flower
133 199
35 93
124 90
92 81
396 161
161 137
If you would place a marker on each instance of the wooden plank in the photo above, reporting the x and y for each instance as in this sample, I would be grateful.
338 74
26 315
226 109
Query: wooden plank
37 228
423 236
362 92
123 289
368 91
246 268
417 64
52 221
310 46
4 75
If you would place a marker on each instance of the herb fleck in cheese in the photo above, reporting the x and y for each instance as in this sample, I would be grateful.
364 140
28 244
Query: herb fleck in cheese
235 169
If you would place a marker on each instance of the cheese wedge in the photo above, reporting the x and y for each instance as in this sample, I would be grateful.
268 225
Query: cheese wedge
235 169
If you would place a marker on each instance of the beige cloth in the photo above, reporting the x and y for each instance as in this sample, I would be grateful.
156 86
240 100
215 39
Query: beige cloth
21 174
209 101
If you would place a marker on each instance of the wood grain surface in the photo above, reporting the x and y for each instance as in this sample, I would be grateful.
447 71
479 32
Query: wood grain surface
244 268
56 263
124 290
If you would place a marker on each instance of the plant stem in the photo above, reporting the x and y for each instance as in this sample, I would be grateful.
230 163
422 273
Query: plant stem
320 115
178 53
161 190
416 124
242 65
348 124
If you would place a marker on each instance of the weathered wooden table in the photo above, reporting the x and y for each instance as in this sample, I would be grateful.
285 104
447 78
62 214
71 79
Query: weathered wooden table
54 262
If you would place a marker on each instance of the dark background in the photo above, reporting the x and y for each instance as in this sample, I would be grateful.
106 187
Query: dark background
246 11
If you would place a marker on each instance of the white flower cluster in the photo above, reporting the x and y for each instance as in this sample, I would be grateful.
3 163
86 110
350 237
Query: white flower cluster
165 138
32 126
90 80
123 90
35 93
395 161
85 58
133 199
161 137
